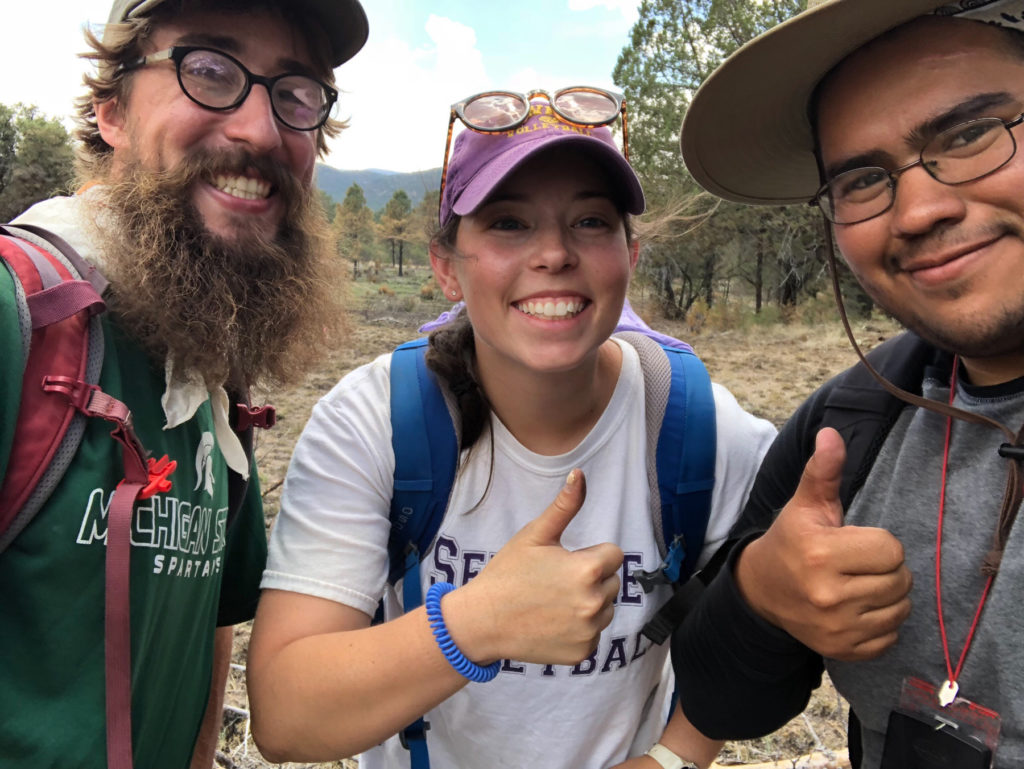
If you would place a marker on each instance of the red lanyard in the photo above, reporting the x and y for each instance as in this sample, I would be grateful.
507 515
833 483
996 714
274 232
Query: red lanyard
948 691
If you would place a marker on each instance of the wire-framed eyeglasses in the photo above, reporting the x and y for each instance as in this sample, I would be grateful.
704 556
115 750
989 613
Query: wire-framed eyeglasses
961 154
218 81
497 111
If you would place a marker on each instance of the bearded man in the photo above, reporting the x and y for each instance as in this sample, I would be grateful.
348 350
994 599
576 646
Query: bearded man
199 135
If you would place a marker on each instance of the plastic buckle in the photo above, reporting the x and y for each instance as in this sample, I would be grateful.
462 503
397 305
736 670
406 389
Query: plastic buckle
263 417
670 569
414 731
650 579
157 470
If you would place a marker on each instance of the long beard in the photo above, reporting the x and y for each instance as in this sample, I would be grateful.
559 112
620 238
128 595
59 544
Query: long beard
249 311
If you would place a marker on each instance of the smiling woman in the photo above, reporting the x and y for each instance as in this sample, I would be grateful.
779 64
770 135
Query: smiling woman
533 615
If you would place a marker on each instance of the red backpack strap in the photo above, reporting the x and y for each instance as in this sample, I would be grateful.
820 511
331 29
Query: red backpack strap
61 337
48 240
143 477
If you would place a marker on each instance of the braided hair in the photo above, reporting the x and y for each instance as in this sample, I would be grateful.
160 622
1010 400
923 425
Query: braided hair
451 355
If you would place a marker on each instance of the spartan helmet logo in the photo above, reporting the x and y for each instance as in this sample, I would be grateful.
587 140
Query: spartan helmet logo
204 464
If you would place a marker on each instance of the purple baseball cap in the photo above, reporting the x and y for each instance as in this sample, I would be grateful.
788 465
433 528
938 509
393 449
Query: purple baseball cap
481 161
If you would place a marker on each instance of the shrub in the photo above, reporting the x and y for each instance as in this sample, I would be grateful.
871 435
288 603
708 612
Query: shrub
817 310
722 316
428 290
697 316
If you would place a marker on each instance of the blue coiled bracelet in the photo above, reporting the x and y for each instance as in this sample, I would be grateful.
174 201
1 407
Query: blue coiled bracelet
458 660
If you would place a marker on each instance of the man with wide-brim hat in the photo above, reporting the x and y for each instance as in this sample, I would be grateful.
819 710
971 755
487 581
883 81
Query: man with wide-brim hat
886 552
123 574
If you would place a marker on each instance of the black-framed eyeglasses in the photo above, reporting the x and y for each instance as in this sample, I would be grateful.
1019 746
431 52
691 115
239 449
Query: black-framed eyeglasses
961 154
497 111
218 81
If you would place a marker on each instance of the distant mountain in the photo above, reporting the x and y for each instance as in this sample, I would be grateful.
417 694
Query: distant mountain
378 186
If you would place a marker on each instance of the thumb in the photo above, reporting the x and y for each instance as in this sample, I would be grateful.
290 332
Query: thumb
547 528
818 492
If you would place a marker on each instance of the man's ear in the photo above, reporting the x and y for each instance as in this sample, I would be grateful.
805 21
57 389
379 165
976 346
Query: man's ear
442 261
634 254
110 120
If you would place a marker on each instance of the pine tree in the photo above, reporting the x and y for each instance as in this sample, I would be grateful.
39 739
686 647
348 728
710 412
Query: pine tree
674 46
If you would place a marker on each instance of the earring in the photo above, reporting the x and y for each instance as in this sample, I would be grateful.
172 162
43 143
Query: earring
454 292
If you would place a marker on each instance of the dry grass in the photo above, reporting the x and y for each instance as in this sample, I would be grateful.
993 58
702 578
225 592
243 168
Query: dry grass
770 369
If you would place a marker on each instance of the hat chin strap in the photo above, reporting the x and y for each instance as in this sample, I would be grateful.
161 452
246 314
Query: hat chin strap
898 392
1014 492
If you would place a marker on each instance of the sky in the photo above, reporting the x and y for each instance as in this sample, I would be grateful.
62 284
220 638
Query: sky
422 56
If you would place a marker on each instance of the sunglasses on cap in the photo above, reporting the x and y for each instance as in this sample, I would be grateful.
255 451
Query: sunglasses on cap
497 111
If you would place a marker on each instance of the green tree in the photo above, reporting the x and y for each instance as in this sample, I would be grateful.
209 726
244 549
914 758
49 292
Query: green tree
328 204
394 224
353 227
421 228
8 144
674 46
36 159
664 62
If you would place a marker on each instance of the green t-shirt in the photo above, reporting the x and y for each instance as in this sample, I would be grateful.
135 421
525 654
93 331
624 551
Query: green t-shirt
52 579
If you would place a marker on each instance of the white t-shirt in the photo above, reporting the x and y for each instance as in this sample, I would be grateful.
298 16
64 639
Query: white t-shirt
330 540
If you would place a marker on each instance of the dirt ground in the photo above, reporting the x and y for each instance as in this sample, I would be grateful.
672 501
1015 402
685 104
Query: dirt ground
770 369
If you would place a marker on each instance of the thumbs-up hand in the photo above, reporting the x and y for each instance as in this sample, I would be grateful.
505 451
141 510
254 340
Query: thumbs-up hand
841 590
535 601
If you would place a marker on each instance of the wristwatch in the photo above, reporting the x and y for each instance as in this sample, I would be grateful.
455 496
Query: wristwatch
667 759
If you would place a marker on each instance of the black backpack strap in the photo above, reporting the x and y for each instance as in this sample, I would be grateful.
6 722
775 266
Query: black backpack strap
685 597
863 412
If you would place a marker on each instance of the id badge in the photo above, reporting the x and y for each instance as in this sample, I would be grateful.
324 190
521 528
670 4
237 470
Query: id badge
922 734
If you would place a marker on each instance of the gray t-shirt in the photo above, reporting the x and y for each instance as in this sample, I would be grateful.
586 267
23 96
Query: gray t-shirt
901 494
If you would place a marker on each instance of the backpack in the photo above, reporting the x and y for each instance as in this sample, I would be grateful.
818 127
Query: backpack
681 466
861 411
59 302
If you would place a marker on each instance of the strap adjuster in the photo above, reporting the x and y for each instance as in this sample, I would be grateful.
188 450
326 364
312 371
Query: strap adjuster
78 393
90 400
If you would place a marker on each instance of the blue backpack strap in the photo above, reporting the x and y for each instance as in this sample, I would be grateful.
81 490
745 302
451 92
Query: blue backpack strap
686 462
426 453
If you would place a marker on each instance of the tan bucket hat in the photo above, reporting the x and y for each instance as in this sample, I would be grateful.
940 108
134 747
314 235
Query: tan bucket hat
746 136
344 21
